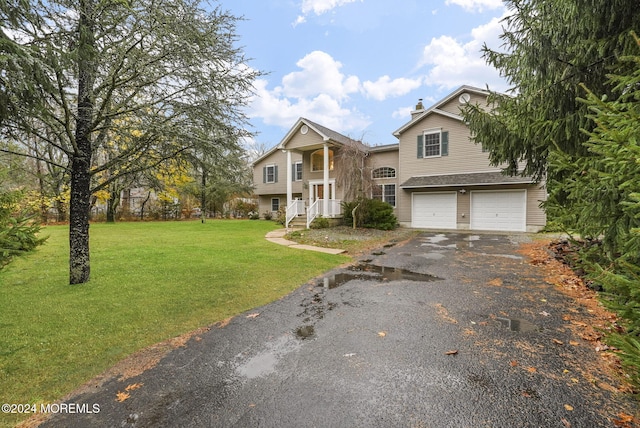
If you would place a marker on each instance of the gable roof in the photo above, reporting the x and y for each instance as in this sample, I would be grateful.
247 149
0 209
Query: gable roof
434 109
328 135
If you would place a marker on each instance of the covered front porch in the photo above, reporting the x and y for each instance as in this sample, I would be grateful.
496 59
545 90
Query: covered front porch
321 200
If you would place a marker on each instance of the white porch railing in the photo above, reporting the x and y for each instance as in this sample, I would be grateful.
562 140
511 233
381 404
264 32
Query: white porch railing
316 209
295 209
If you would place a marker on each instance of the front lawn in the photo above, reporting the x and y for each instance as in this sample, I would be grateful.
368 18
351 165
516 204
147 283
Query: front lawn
149 282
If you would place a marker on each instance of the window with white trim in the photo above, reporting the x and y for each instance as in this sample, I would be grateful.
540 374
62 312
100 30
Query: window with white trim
275 204
384 172
385 193
433 143
297 171
270 174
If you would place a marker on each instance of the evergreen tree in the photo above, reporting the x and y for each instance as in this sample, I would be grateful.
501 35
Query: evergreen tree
550 48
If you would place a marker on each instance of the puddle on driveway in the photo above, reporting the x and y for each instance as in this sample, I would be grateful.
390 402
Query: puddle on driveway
519 325
369 272
305 332
264 362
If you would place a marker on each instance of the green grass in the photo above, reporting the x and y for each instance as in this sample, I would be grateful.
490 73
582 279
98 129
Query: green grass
149 282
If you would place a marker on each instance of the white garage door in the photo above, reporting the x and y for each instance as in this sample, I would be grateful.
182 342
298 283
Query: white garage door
434 210
504 210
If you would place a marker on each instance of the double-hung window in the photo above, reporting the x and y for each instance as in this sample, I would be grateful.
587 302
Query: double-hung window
385 193
270 174
297 172
433 143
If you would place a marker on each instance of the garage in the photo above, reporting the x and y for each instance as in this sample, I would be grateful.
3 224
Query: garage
434 210
499 210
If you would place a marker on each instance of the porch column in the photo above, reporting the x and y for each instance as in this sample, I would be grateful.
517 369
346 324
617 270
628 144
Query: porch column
326 194
289 179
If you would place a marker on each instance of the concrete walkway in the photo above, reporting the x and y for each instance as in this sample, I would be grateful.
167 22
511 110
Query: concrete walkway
277 237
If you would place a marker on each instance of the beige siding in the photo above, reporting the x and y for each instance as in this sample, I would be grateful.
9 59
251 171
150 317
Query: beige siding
454 106
276 158
464 156
302 141
536 216
385 159
380 159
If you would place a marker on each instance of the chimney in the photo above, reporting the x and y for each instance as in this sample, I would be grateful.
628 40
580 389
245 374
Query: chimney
419 109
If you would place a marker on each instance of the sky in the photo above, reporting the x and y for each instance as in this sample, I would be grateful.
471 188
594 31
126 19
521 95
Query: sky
360 66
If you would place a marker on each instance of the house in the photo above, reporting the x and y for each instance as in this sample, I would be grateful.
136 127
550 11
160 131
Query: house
435 177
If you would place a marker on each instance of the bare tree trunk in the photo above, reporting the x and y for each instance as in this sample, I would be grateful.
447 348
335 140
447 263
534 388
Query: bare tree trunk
44 209
203 196
143 204
79 267
112 206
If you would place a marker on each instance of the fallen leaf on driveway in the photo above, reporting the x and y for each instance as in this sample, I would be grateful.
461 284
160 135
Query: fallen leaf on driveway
568 408
545 313
121 396
382 333
532 369
253 315
573 343
352 354
133 386
558 342
497 282
624 421
566 423
513 363
452 352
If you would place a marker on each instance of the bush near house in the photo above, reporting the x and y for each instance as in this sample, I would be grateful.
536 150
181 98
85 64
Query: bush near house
370 213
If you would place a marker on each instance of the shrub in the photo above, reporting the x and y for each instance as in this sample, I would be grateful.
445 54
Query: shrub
370 213
320 223
268 215
18 235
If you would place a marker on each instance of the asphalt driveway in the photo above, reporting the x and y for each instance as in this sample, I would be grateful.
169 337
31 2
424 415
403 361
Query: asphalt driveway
448 330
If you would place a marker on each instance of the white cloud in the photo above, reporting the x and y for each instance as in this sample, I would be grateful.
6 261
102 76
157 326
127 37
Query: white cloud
319 73
299 20
318 91
476 5
402 113
320 7
453 62
384 87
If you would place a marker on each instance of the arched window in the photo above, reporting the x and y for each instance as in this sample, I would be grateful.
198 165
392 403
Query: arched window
317 160
384 172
